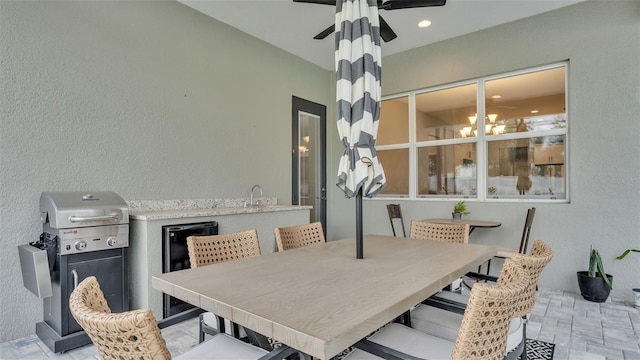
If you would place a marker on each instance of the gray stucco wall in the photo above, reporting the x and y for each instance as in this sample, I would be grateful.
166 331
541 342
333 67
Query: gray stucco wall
601 39
149 99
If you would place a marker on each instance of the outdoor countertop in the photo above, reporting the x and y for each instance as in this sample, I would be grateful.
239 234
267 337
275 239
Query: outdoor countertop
191 213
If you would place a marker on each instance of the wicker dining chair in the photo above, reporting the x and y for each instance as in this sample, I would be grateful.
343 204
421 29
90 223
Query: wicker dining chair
292 237
395 213
211 249
482 334
456 233
505 252
135 334
441 315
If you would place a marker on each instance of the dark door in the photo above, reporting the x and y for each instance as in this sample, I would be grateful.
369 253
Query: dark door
309 158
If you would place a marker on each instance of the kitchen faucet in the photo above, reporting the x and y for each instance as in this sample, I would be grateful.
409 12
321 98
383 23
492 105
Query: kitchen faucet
253 188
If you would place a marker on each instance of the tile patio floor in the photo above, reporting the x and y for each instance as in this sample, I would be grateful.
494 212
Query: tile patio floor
580 329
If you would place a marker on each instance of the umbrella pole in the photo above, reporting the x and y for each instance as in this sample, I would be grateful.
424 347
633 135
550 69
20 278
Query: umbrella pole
359 251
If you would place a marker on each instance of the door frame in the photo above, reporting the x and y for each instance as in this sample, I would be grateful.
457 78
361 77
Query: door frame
302 105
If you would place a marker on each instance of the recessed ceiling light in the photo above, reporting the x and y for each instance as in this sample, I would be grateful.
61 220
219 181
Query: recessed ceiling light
534 111
424 23
496 97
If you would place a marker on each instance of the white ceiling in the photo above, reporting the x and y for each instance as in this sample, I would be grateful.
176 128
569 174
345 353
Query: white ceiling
292 26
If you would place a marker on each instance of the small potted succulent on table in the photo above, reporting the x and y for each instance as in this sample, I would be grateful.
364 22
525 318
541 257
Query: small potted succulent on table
595 284
459 209
636 291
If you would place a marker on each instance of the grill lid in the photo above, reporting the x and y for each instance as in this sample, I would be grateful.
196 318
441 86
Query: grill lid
82 209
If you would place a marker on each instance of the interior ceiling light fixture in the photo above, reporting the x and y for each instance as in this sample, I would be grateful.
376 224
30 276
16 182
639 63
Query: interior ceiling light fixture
489 128
492 128
386 33
496 97
424 23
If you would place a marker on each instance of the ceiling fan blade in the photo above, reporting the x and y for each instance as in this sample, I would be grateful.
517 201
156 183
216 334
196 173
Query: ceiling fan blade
326 32
407 4
321 2
385 31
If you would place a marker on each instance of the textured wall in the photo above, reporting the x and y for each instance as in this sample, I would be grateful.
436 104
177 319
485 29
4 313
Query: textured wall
601 39
149 99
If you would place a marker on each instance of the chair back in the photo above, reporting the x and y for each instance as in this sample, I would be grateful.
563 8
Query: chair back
128 335
456 233
395 213
211 249
541 254
525 232
485 323
293 237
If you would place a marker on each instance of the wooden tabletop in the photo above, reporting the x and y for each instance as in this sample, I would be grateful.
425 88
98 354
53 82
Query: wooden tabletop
320 299
471 222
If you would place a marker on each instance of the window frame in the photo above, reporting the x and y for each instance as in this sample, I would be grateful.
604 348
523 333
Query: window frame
482 140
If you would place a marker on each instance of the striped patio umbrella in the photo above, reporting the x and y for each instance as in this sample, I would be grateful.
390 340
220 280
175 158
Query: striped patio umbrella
358 92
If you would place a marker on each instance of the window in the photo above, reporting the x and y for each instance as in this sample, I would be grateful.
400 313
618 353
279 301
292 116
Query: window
392 146
502 137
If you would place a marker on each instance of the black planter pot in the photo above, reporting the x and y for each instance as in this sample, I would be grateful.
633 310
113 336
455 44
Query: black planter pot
593 288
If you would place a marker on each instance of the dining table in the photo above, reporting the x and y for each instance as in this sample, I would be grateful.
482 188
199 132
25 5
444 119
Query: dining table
320 299
472 223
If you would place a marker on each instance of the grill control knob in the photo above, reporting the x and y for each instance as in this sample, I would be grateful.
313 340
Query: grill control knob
80 245
112 241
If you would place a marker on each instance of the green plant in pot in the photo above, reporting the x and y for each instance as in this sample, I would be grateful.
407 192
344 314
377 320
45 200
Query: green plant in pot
459 209
636 291
595 285
626 252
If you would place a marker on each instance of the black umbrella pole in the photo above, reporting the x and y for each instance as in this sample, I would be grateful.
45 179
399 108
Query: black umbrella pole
359 250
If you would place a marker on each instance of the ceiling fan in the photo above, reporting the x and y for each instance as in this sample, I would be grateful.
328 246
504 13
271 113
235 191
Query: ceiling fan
386 33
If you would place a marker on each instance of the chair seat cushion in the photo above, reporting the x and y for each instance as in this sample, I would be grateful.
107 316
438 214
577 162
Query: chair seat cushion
436 322
445 324
407 340
223 347
506 252
454 296
210 320
413 342
357 354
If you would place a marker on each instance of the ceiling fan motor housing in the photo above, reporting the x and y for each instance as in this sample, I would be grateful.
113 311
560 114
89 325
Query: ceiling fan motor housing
386 33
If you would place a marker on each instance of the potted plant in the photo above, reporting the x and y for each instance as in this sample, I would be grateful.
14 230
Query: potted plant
595 284
636 291
626 252
459 209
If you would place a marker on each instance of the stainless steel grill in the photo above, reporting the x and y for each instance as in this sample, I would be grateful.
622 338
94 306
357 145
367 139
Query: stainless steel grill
84 234
85 222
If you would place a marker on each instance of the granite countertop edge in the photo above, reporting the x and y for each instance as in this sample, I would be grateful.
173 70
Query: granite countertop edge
190 213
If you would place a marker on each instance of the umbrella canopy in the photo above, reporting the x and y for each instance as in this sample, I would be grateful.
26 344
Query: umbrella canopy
358 92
